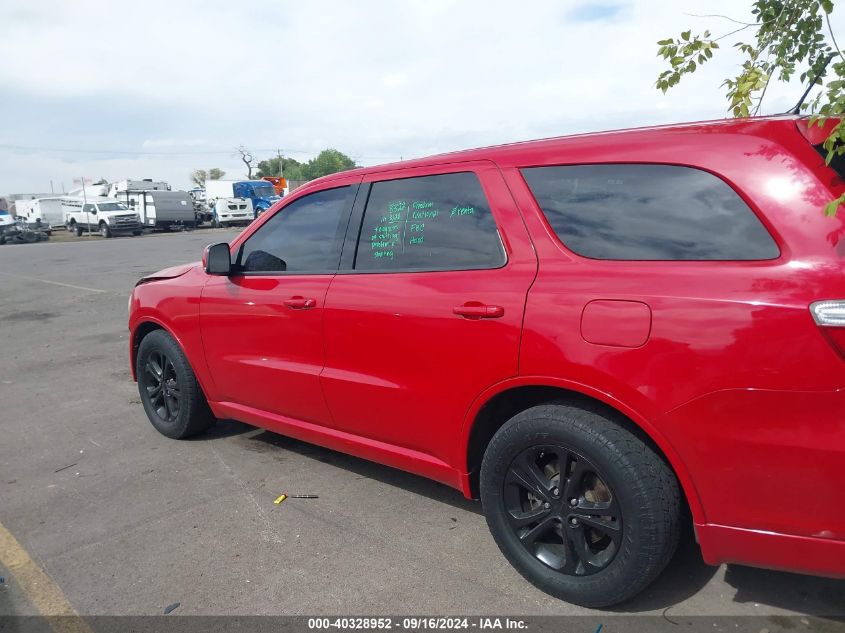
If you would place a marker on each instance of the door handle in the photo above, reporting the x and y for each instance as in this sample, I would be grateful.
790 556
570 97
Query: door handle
476 310
300 303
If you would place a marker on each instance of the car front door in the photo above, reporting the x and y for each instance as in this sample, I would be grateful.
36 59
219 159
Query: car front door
262 325
426 311
89 216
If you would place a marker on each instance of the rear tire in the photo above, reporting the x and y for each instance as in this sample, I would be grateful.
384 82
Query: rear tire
581 507
77 230
172 397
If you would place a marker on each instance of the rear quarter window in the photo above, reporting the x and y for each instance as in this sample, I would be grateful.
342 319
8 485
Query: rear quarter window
648 212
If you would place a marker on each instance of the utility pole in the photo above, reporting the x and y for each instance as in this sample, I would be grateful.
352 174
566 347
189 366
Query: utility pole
85 206
281 171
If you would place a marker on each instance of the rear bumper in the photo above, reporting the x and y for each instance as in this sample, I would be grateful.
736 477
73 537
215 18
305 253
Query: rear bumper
802 554
766 461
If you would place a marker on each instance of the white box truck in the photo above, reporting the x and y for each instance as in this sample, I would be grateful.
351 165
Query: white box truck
41 211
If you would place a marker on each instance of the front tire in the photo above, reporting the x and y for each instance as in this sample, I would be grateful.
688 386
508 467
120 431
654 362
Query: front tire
105 231
581 507
170 393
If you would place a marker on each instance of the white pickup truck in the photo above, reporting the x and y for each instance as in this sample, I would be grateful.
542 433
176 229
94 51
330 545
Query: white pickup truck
106 216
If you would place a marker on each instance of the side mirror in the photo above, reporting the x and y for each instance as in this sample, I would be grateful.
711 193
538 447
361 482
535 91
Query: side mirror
217 260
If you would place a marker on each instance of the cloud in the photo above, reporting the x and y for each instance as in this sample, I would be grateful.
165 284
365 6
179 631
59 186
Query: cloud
98 90
594 12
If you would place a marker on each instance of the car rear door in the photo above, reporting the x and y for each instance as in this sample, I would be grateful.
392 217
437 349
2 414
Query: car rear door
426 311
262 325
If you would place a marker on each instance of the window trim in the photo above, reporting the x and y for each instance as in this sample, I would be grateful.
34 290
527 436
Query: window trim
353 238
337 243
761 218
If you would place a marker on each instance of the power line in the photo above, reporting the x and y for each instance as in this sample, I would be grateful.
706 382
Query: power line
80 150
77 150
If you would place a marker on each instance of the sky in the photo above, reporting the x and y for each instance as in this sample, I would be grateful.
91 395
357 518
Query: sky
156 89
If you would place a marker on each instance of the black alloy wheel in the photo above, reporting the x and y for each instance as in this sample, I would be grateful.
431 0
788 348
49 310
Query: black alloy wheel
172 398
162 386
562 511
579 504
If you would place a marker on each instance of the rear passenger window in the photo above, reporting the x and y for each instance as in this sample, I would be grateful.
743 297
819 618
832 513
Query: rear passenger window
648 212
438 222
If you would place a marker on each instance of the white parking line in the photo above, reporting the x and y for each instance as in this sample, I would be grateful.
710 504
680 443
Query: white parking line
55 283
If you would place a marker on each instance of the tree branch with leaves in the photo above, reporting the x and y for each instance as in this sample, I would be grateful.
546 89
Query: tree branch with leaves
784 37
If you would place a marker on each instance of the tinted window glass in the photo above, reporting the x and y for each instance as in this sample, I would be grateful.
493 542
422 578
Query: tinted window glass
303 237
648 212
429 223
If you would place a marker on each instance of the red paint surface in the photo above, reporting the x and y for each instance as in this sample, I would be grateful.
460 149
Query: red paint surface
735 383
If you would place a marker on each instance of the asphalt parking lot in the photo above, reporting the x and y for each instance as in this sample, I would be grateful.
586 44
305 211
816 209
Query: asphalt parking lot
126 521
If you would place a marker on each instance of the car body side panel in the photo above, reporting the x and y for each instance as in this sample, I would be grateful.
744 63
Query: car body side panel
401 367
733 382
173 304
735 375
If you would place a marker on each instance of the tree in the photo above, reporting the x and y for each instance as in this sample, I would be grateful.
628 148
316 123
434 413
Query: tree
785 36
329 161
246 157
291 168
199 176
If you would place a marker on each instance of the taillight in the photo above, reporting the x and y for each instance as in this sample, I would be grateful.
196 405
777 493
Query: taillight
829 313
830 317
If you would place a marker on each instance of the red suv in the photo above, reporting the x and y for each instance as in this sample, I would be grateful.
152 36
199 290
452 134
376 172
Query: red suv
597 335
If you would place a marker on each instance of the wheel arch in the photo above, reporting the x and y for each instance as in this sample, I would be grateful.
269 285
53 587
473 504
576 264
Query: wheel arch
139 332
496 406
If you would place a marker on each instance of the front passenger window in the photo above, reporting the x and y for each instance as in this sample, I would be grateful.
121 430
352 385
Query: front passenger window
302 237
